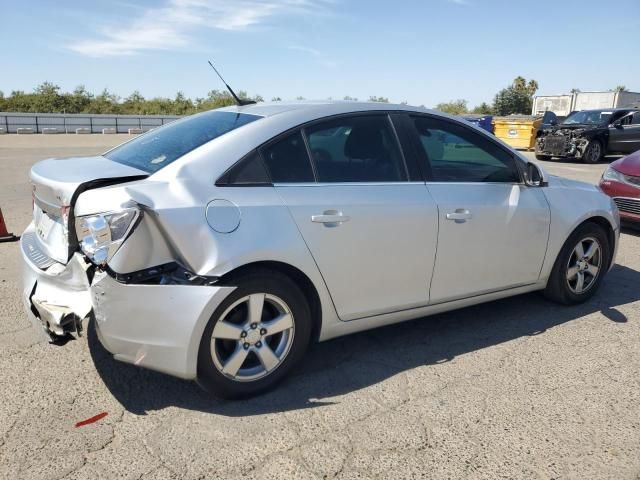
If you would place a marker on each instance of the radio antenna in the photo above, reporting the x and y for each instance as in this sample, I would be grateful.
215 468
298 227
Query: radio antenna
239 101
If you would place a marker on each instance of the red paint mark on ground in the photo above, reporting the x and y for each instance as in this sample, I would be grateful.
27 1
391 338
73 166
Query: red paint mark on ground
93 419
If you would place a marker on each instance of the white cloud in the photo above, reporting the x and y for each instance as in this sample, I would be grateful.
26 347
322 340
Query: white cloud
317 54
170 27
312 51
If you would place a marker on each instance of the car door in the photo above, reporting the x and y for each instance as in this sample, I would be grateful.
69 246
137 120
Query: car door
624 134
371 231
493 229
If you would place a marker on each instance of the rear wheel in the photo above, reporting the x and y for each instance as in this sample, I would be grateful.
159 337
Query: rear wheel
580 266
593 153
255 337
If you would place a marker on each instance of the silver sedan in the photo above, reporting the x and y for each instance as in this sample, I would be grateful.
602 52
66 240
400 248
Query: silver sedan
219 246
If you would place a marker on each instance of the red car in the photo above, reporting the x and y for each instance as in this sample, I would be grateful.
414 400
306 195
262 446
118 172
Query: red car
621 181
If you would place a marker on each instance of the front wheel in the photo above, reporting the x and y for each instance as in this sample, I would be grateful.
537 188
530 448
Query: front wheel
594 152
258 333
580 266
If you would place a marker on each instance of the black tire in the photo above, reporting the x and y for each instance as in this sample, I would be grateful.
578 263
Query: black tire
558 287
543 157
258 281
594 152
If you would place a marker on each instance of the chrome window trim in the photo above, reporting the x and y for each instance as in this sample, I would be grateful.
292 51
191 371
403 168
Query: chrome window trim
345 184
430 182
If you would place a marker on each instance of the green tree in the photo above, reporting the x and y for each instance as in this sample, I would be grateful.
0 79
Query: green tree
19 101
521 85
276 99
134 104
350 99
483 109
373 98
79 101
182 105
620 88
454 107
106 102
517 98
47 98
509 101
575 90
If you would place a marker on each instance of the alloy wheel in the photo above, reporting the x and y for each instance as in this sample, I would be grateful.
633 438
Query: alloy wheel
252 337
594 152
584 265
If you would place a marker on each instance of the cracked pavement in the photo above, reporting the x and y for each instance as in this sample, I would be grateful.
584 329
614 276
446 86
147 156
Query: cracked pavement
518 388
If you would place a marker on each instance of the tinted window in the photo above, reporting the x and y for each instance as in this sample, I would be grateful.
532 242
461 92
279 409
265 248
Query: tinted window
158 148
356 149
458 154
287 160
636 118
248 171
626 120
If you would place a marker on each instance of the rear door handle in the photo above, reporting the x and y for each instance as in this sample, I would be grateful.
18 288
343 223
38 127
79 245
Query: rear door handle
330 218
461 215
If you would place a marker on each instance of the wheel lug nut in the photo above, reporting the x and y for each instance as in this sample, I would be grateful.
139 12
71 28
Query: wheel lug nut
263 331
254 325
246 346
243 334
259 344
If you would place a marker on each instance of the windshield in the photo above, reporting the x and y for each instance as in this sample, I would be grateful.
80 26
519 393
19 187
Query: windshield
588 117
158 148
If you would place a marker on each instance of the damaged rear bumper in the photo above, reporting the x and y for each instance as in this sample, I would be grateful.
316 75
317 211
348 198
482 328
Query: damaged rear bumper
56 296
153 326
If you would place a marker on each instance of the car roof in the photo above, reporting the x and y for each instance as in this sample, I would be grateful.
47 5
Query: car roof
618 109
322 107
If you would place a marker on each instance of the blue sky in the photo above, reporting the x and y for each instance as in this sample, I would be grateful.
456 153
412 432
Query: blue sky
423 52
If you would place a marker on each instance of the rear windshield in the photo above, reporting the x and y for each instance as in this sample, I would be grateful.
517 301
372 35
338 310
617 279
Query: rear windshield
158 148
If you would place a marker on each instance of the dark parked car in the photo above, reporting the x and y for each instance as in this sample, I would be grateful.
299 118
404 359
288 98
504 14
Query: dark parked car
589 135
621 181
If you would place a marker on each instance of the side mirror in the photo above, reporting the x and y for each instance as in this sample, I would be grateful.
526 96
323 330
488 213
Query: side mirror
617 124
554 121
535 176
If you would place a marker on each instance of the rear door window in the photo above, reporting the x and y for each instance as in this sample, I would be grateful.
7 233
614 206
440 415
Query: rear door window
287 160
359 148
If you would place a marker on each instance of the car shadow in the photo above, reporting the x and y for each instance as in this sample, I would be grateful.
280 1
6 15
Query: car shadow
631 228
611 158
357 361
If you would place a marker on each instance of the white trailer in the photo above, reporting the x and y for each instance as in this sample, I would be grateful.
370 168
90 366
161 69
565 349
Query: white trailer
563 105
558 104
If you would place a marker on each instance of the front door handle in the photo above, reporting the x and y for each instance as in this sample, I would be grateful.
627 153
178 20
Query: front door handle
461 215
330 218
